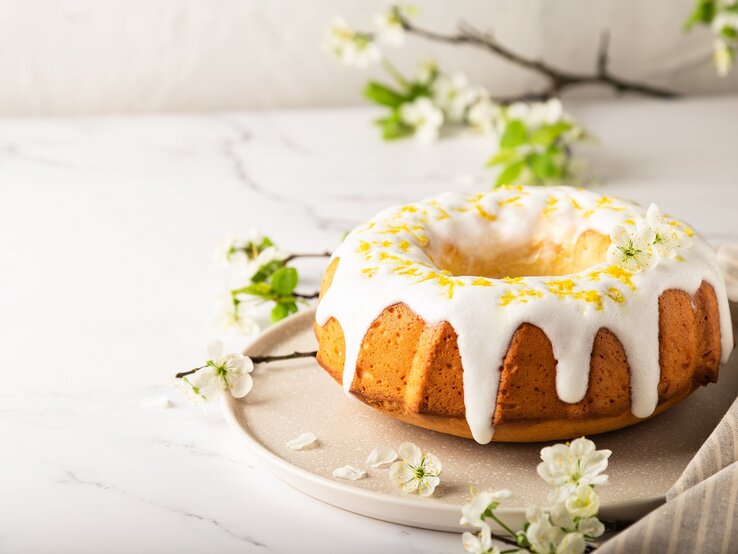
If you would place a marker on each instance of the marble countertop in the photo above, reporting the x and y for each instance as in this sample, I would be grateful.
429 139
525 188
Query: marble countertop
107 281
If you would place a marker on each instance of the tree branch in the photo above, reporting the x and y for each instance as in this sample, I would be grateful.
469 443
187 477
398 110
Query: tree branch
260 360
558 79
291 257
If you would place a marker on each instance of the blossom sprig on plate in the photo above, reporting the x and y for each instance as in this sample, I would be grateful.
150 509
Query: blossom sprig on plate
568 526
225 373
652 238
260 272
722 17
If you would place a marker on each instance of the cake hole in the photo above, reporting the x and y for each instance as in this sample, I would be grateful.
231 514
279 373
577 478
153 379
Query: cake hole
541 258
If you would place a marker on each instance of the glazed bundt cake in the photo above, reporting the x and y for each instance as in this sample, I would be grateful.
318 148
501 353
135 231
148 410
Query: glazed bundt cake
523 314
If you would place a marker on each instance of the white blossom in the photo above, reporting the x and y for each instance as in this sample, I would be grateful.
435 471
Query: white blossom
303 442
473 512
426 71
591 527
350 47
220 373
485 115
381 456
565 466
725 20
535 114
571 543
722 56
667 237
633 251
453 94
424 117
349 472
389 28
583 503
417 472
237 317
480 543
541 534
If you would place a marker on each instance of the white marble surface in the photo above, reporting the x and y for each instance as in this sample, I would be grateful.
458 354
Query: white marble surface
107 228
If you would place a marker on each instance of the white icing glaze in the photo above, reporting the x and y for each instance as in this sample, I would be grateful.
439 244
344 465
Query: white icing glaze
385 262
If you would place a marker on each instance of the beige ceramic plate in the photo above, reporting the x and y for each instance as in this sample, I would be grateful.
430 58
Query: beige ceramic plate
293 397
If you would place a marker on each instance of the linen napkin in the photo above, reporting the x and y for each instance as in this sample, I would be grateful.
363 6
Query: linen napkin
701 510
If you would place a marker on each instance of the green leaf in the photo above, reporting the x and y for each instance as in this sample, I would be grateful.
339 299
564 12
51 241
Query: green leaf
549 133
515 134
266 270
383 95
284 280
393 128
510 173
544 166
262 290
417 90
503 156
704 12
282 310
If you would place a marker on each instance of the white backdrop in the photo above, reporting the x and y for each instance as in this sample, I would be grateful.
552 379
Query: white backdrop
95 56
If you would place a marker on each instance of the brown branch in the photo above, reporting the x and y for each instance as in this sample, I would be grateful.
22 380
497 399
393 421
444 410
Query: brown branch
306 296
558 79
291 257
260 360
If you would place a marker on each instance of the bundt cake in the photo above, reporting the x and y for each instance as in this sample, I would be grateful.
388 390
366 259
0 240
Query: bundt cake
523 314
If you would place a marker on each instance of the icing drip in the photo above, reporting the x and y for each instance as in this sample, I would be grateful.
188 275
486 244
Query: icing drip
390 260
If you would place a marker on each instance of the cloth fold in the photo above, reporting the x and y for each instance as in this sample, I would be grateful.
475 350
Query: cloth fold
701 510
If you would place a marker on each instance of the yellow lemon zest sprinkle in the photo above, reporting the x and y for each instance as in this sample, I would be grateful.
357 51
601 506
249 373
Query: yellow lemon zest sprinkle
370 271
511 200
482 282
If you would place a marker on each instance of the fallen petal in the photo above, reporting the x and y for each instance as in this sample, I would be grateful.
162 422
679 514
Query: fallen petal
349 472
381 456
162 402
303 442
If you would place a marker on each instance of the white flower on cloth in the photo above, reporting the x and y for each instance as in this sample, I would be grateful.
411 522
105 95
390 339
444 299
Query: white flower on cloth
475 512
566 466
416 472
666 236
583 503
350 47
220 373
480 543
303 442
453 94
722 56
541 534
571 543
485 115
424 117
381 456
349 472
632 251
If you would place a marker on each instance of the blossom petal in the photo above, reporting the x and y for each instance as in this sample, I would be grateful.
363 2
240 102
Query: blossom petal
241 385
215 350
403 476
432 465
411 453
620 236
427 485
381 456
303 442
349 472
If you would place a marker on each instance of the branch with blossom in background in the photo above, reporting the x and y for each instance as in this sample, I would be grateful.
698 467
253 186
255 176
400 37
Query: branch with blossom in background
722 17
535 137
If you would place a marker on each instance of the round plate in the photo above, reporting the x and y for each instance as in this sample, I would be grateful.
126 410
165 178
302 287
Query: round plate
297 396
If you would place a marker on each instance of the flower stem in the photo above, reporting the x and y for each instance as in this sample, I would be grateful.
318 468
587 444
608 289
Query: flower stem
190 372
502 524
394 73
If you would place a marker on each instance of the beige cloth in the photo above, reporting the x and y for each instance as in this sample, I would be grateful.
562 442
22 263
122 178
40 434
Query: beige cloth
701 510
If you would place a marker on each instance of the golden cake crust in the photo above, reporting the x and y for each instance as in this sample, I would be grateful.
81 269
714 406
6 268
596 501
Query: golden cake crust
413 371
